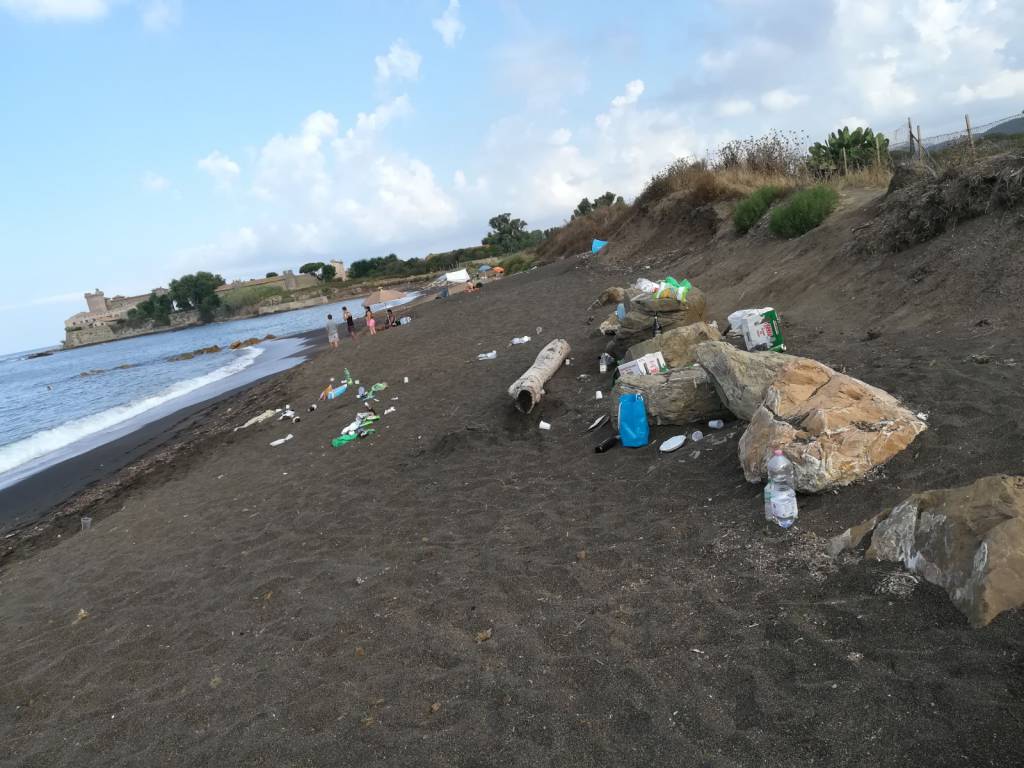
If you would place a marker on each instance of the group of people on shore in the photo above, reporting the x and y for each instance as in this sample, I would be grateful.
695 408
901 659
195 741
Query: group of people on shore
350 323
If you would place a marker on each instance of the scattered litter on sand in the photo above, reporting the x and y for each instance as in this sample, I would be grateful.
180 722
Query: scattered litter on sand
282 440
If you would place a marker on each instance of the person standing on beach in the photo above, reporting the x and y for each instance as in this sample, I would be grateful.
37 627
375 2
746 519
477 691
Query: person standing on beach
350 322
332 332
371 323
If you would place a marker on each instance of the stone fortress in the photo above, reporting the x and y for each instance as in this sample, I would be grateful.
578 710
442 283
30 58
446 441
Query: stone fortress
104 318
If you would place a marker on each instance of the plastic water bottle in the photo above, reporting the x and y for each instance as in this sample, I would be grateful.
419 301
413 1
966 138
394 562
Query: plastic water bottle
779 493
620 311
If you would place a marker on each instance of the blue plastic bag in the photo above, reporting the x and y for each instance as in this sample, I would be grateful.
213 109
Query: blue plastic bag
597 245
633 429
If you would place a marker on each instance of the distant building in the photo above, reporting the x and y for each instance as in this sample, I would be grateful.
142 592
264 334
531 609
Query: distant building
340 273
104 311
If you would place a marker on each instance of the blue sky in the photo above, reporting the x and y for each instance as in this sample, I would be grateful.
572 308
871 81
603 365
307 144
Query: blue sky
143 139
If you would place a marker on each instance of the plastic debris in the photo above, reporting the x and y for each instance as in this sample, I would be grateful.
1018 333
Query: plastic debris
606 444
257 419
598 395
716 424
672 444
697 436
392 409
487 355
282 440
597 422
521 340
544 425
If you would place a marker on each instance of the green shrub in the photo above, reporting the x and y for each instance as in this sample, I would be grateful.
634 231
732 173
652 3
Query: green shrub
519 262
249 296
750 209
803 211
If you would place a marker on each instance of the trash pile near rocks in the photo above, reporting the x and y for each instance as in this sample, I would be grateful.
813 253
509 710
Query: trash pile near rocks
822 429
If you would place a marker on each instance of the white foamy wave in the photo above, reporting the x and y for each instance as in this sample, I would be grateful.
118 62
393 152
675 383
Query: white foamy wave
50 440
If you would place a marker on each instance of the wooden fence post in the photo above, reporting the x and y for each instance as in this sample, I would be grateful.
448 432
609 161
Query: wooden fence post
920 146
970 134
910 133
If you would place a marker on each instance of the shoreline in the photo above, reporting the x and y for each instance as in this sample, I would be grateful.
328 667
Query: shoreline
47 503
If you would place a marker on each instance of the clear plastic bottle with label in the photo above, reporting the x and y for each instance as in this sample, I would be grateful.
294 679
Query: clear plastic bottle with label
779 494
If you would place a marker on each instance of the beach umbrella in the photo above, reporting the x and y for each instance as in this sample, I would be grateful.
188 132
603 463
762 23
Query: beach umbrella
499 269
484 268
382 296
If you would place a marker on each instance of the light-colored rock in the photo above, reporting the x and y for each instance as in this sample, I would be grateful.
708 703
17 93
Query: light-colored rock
677 345
969 541
741 378
833 427
682 396
638 324
613 295
611 325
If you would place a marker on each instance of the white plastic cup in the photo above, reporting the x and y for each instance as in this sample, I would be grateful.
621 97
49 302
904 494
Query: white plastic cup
716 423
405 380
598 395
86 523
544 425
697 436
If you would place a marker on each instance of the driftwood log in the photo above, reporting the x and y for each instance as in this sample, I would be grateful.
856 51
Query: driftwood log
528 389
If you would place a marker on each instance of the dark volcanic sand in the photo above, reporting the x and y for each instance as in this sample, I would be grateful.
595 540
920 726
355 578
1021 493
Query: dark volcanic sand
306 605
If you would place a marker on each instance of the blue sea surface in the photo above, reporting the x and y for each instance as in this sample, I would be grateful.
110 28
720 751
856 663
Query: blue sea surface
60 405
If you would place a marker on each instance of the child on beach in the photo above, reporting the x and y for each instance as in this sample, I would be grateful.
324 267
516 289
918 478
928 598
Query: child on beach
332 332
370 322
350 322
392 320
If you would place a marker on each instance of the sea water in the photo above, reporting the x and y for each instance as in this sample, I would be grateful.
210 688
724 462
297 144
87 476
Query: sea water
60 405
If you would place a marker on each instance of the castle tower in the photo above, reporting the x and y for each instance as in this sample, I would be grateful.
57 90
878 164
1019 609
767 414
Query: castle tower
96 301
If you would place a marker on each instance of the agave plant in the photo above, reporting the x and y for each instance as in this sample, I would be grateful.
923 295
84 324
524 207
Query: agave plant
860 145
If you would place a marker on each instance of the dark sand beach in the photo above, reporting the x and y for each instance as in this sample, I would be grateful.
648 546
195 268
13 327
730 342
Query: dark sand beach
242 605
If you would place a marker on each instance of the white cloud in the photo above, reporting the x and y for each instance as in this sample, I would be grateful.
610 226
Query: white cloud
781 99
58 10
158 15
449 25
222 168
1004 84
852 122
634 89
400 62
560 136
734 107
323 189
154 182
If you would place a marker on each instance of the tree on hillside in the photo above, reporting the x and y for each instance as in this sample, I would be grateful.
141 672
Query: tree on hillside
327 272
197 291
311 268
509 235
586 207
271 274
156 308
863 149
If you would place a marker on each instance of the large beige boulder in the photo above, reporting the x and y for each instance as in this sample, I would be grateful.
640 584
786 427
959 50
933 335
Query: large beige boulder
683 396
741 378
638 324
833 427
677 345
969 541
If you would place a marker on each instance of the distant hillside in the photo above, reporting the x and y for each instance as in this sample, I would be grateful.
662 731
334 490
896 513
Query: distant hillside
1008 128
